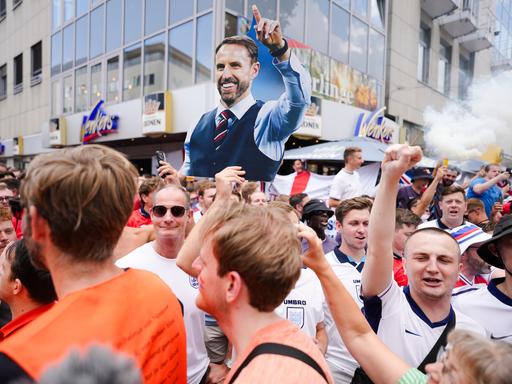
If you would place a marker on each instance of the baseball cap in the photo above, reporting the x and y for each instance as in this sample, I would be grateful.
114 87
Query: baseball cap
315 205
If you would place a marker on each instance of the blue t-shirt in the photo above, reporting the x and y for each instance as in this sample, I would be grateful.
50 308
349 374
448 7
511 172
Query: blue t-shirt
488 197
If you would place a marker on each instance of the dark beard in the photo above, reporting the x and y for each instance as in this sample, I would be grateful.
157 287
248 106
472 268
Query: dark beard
241 88
34 249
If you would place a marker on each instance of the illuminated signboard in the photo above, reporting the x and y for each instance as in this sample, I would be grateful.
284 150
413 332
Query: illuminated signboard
97 124
375 126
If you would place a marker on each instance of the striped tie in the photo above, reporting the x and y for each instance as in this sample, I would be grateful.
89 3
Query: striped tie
221 127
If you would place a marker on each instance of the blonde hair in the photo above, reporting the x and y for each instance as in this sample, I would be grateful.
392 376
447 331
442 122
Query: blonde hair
82 192
482 360
261 244
248 189
5 214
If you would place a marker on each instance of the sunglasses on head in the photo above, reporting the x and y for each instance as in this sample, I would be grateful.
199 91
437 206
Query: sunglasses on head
176 210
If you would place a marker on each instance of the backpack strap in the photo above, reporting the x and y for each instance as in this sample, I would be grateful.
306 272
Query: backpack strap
441 342
279 349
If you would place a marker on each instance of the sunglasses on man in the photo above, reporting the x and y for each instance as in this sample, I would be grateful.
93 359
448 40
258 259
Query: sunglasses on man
176 210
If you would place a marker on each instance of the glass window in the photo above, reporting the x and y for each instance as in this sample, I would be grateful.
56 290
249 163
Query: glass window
131 73
266 7
345 3
113 33
56 53
132 20
339 33
97 35
235 5
67 48
203 5
230 25
82 6
81 89
291 16
358 44
376 60
360 7
113 80
2 10
37 59
96 86
56 99
180 10
69 10
465 76
155 16
68 94
318 23
424 54
180 56
154 64
56 13
18 70
204 49
444 68
378 9
3 81
81 40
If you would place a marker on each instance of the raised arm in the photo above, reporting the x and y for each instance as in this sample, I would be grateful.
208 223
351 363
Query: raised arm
378 268
192 246
428 195
381 365
482 187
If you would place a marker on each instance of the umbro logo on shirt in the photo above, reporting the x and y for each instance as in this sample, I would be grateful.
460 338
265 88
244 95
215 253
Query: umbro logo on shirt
499 337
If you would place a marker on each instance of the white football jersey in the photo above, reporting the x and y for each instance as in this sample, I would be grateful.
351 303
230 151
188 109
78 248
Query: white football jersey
490 308
185 288
403 326
304 305
349 274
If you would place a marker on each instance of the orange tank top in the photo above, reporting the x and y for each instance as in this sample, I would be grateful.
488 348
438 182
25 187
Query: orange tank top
135 313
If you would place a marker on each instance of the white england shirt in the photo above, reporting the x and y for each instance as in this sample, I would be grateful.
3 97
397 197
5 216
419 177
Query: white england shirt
349 274
403 326
346 185
490 308
304 305
185 288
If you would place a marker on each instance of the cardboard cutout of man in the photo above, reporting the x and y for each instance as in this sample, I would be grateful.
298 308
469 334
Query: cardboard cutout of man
241 130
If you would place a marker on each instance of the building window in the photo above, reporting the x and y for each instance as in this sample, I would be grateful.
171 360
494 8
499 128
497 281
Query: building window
444 68
204 48
82 6
376 59
81 91
2 9
378 10
18 73
69 10
96 84
96 32
237 6
180 56
339 33
207 4
68 94
56 99
424 54
154 16
56 14
318 24
37 59
131 73
230 25
15 3
3 81
132 20
81 40
113 80
291 15
358 44
154 64
465 75
360 7
113 33
67 47
56 53
266 7
180 10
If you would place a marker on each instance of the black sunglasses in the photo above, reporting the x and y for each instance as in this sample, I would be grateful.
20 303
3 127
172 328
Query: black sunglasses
176 210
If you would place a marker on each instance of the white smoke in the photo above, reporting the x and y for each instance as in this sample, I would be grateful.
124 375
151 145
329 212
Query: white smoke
463 131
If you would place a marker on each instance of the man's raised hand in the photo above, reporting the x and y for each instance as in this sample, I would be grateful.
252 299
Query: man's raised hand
268 31
399 158
224 180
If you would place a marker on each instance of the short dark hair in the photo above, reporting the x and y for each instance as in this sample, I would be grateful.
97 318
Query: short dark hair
349 151
150 185
247 42
406 217
12 184
355 203
488 166
453 189
297 199
37 282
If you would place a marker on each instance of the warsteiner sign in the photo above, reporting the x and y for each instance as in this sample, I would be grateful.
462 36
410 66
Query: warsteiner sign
97 124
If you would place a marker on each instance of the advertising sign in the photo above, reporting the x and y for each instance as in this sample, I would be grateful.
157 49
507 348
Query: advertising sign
98 123
312 124
156 116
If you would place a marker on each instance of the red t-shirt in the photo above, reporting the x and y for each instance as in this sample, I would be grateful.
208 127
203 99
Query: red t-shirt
478 280
18 323
399 272
138 219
